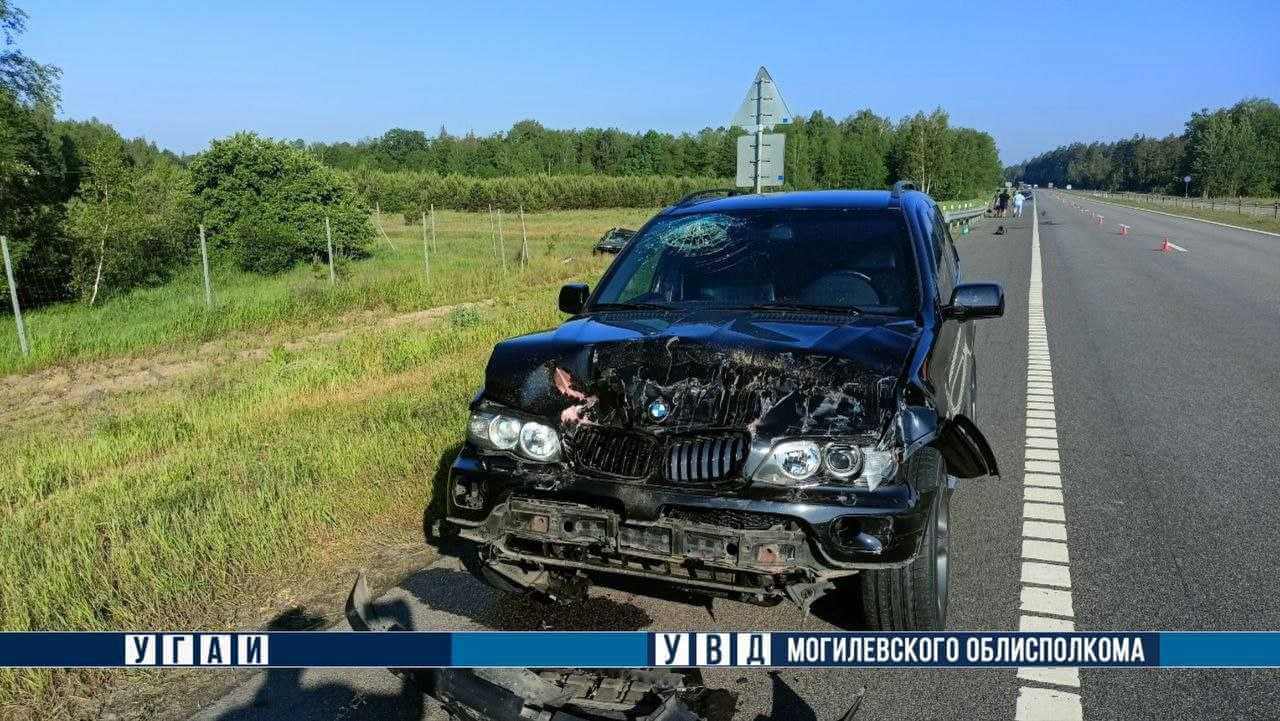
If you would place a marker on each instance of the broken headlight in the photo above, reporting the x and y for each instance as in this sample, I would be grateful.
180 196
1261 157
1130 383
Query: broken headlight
502 432
807 463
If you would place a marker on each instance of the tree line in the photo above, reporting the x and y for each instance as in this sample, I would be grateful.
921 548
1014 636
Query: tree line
1228 152
864 150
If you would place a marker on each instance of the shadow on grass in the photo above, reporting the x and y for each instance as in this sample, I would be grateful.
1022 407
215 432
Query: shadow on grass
434 529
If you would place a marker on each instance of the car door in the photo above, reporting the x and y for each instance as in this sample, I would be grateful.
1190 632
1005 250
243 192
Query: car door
955 339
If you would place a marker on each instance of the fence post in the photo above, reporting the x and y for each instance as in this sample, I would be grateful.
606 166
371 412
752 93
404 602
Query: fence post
493 231
426 255
204 261
328 234
502 244
13 296
434 246
524 240
377 212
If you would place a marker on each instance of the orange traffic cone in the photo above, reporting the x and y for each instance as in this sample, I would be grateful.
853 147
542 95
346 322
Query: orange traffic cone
1165 247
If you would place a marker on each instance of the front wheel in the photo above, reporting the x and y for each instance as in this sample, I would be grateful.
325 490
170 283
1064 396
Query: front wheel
914 597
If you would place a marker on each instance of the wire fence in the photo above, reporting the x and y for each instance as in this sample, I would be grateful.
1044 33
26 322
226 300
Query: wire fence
1257 207
435 259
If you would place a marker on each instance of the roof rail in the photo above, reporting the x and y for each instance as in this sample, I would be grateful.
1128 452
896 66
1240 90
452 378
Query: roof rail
903 186
699 196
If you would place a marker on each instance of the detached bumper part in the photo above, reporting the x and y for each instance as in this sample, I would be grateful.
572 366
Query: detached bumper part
502 694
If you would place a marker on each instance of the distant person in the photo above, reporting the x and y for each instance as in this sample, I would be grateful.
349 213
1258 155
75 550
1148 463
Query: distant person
1002 205
1017 205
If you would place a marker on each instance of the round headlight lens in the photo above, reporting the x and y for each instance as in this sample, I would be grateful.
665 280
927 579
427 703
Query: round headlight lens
798 460
843 461
539 442
504 432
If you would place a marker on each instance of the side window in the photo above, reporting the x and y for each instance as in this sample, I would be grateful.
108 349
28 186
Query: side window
642 282
944 256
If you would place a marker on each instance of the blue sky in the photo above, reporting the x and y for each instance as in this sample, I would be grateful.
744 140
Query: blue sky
1034 74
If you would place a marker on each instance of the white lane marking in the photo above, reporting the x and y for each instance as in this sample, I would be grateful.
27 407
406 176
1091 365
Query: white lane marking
1045 574
1043 495
1044 623
1046 600
1178 248
1044 529
1045 480
1054 551
1044 512
1043 704
1056 676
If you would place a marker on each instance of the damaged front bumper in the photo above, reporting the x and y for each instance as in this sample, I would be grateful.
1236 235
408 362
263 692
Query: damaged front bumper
759 545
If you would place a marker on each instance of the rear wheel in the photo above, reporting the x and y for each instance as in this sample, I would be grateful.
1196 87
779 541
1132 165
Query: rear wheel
914 597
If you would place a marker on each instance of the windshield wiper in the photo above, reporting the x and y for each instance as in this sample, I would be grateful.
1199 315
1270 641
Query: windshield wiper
812 307
628 306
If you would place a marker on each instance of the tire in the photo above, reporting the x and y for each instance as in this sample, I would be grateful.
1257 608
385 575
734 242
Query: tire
914 597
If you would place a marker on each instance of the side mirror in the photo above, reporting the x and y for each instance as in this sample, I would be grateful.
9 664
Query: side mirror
971 301
573 298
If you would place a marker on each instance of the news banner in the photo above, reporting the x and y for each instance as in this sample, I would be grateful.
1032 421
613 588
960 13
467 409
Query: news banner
613 649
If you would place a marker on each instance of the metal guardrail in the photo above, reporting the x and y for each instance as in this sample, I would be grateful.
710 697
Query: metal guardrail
962 211
960 216
1245 206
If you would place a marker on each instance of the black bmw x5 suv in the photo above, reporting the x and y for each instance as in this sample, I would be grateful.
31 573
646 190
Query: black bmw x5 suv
765 394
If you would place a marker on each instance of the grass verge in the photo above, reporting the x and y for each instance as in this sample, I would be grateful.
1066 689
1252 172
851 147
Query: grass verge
157 514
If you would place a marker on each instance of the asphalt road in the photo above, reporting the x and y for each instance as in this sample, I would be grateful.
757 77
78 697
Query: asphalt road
1164 370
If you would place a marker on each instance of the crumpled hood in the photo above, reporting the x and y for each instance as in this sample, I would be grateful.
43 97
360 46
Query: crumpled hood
768 373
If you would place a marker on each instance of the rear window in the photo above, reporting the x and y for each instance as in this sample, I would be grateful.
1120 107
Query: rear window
858 259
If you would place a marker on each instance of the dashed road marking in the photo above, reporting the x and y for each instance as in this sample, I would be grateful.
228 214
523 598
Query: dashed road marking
1045 551
1046 601
1042 704
1042 479
1044 623
1043 495
1045 574
1055 676
1044 529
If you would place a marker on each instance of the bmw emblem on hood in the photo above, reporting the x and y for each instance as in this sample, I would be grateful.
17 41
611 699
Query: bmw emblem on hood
659 410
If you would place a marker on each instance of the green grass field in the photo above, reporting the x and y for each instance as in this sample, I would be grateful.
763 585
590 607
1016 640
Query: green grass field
464 267
154 509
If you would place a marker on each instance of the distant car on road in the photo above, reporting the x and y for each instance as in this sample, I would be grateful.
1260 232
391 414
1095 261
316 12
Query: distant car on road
613 241
765 395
